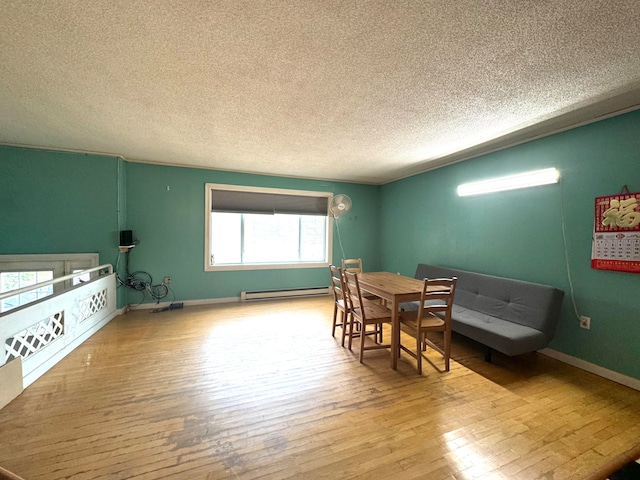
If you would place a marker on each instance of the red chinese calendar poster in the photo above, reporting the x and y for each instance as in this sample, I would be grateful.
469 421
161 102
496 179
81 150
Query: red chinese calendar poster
616 233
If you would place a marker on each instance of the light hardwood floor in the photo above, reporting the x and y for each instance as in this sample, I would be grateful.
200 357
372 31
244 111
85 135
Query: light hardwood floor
262 390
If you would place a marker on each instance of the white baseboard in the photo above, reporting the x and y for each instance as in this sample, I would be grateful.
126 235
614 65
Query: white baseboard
592 368
208 301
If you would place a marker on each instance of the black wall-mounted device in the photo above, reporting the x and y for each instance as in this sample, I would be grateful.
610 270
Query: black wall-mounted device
126 238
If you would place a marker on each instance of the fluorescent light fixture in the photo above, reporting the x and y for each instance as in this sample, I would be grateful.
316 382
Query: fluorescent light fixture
511 182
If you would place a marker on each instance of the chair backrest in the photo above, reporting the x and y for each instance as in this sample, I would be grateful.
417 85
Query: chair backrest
355 295
353 265
437 296
337 283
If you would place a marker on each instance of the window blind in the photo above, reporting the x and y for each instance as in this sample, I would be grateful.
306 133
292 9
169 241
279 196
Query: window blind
233 201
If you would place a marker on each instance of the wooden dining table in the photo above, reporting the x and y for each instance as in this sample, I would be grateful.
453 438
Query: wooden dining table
395 289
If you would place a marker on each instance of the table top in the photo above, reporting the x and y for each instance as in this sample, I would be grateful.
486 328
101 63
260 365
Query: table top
390 283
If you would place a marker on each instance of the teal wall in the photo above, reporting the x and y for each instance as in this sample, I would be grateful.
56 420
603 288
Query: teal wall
518 234
169 223
57 202
61 202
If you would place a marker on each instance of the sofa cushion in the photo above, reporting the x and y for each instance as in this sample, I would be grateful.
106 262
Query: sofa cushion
507 337
502 335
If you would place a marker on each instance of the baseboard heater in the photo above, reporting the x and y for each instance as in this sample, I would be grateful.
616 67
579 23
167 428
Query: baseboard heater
286 293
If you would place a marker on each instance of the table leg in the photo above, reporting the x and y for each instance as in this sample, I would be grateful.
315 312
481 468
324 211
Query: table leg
395 334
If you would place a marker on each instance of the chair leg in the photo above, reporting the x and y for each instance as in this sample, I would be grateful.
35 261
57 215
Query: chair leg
419 344
351 322
447 350
363 336
344 325
335 318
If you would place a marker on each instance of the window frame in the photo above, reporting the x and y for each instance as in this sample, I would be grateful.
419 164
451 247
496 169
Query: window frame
208 267
22 298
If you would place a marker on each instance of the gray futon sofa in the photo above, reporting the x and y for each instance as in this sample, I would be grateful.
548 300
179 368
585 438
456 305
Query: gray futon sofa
510 316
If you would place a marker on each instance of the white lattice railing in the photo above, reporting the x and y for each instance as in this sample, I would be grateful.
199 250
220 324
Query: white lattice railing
43 332
32 339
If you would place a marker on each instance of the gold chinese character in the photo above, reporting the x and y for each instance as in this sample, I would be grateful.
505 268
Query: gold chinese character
621 213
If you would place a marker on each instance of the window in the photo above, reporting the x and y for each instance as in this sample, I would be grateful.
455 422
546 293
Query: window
254 228
15 280
17 271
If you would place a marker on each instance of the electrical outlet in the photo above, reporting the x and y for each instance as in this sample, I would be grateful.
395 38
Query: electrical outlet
585 322
167 280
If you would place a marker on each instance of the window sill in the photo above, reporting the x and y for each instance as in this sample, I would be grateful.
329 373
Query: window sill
263 266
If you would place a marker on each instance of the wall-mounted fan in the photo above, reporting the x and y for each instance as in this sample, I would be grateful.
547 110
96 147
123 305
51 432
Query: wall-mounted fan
340 204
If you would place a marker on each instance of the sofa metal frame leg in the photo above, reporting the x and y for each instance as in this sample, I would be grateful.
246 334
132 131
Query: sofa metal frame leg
487 355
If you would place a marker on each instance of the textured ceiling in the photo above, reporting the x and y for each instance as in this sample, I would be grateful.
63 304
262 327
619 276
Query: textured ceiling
365 91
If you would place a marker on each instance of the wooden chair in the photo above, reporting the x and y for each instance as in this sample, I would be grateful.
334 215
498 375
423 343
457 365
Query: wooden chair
353 265
436 301
7 475
341 302
363 315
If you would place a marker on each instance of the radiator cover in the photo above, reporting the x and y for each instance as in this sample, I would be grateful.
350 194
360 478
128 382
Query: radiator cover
284 293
